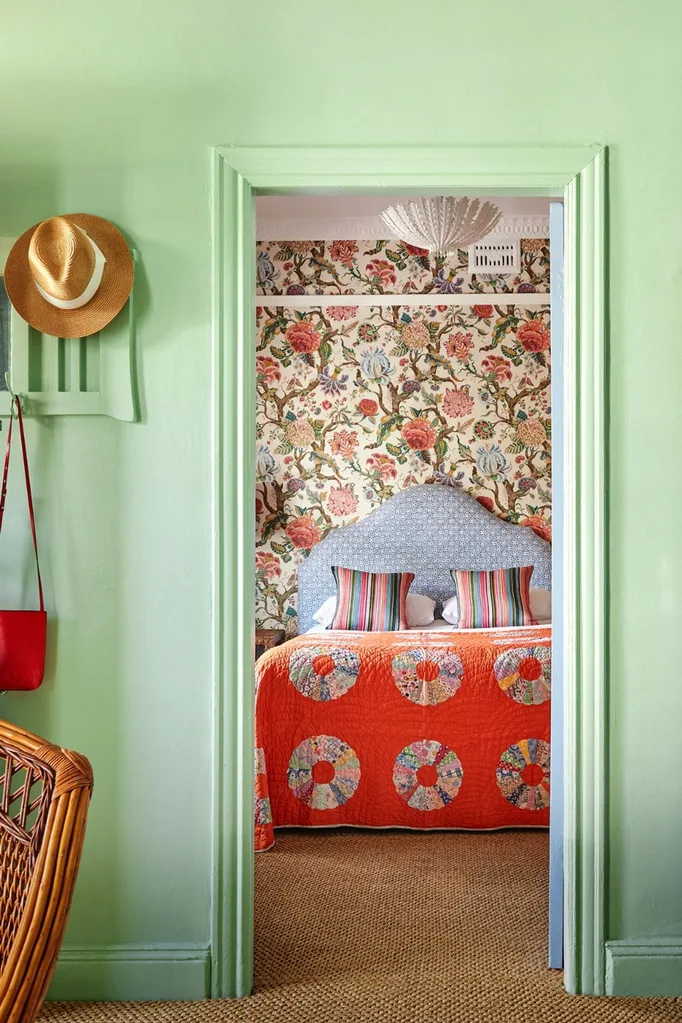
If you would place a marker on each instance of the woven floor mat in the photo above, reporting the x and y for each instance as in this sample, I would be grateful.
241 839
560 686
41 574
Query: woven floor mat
396 927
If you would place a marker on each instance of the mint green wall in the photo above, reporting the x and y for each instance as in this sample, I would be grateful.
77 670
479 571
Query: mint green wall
111 108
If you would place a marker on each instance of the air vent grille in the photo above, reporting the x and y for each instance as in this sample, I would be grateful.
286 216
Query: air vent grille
493 257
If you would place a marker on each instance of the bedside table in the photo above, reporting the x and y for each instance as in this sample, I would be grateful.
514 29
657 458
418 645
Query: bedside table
266 639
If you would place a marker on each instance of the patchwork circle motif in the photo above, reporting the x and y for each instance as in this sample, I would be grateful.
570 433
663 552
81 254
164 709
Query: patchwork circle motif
324 772
427 775
323 673
427 677
263 812
525 674
523 774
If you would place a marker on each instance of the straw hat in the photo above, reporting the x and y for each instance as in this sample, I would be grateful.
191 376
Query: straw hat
69 276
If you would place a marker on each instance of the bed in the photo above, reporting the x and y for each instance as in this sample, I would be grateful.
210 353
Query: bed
434 727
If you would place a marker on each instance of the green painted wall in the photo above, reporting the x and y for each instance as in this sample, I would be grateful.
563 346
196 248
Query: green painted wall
111 108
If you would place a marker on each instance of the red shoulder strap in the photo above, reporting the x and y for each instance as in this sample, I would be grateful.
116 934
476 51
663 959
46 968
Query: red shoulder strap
16 404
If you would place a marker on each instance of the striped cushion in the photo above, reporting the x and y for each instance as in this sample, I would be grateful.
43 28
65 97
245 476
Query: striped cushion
371 601
494 599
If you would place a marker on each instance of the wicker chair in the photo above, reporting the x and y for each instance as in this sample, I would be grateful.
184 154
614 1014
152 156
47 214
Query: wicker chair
44 797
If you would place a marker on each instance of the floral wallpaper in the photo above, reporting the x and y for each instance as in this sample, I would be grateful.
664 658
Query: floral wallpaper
356 402
373 267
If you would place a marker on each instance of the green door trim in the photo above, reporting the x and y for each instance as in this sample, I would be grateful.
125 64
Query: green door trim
579 176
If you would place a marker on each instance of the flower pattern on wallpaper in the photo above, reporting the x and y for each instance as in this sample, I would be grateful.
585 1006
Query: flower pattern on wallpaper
356 403
373 267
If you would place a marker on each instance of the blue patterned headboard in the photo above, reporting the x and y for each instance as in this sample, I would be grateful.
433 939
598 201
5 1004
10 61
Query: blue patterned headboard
426 529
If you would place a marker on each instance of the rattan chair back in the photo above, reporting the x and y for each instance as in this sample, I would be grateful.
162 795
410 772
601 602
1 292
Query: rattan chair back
44 796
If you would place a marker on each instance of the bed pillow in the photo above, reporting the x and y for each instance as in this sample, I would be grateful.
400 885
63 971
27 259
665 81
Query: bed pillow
371 601
451 611
496 599
541 605
420 611
325 614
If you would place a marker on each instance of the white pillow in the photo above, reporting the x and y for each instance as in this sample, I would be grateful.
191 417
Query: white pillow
419 608
451 611
325 614
540 607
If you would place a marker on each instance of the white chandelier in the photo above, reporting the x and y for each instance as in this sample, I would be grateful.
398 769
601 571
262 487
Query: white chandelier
442 224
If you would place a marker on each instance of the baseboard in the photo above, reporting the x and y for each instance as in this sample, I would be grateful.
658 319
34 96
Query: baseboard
648 968
124 973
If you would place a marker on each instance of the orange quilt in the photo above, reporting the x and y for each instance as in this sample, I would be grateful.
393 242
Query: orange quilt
410 730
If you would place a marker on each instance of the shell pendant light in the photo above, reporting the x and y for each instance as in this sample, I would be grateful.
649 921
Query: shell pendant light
442 224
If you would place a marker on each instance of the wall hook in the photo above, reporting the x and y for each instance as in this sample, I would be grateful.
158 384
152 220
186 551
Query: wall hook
18 398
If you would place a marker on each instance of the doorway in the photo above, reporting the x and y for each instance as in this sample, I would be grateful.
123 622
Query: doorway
578 176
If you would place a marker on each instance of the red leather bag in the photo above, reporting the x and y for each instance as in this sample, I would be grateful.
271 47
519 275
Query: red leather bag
22 633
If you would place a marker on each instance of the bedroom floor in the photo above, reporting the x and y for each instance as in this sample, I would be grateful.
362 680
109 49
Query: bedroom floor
392 927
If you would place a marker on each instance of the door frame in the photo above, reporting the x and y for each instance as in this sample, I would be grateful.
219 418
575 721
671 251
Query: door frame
579 176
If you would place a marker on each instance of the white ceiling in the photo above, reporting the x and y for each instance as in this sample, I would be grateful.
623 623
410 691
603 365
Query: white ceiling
299 217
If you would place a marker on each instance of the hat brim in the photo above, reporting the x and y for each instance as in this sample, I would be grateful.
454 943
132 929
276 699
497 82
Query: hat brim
108 300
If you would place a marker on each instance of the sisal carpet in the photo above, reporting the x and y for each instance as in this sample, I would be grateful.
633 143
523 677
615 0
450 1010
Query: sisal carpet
396 927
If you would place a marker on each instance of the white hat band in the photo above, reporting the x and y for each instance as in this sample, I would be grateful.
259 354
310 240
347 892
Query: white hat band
91 287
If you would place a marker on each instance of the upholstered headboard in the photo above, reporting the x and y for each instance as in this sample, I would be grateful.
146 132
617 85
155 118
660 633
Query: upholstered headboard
428 530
